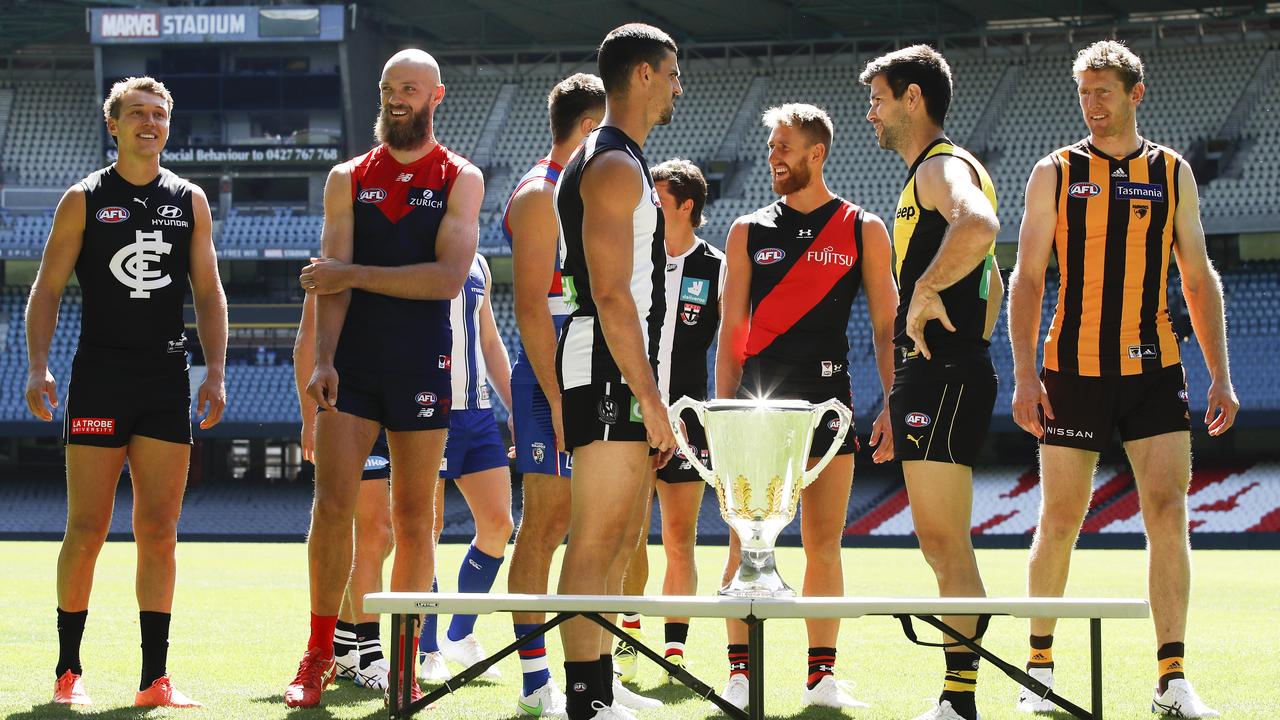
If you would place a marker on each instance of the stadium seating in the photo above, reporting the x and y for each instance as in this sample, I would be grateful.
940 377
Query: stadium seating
52 141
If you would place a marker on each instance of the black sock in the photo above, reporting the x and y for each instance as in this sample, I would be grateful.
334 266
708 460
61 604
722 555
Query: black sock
1041 652
582 688
738 657
155 645
344 638
676 632
822 662
70 630
960 683
368 642
1170 659
606 678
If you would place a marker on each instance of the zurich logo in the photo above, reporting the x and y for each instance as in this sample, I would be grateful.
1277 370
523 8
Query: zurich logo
169 211
769 256
112 215
427 193
1083 190
372 195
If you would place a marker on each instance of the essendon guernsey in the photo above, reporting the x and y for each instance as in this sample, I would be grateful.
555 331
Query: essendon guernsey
398 209
805 273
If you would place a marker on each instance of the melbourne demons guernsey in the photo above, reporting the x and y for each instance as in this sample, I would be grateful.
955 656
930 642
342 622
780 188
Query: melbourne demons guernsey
547 172
583 357
805 272
398 209
133 265
1113 239
917 236
469 375
694 281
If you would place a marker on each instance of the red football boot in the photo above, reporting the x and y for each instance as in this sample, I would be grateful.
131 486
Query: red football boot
69 690
315 673
162 693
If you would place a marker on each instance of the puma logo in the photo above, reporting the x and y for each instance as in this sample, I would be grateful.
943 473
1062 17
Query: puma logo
142 201
915 440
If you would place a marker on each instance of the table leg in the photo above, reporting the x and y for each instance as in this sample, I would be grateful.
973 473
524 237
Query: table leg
1095 662
755 667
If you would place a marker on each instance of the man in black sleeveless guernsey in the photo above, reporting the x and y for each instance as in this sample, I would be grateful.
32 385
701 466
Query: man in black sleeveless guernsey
794 268
944 385
134 233
613 410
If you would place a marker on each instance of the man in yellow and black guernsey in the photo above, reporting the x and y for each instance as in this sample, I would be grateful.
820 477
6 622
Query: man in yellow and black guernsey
949 289
1113 208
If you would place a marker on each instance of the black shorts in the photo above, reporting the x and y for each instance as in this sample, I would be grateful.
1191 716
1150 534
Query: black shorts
604 411
809 389
110 399
378 464
399 402
1088 410
679 469
941 408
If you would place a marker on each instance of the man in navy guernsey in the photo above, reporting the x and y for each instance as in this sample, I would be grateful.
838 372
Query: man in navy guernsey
133 233
575 107
794 268
944 385
400 231
612 407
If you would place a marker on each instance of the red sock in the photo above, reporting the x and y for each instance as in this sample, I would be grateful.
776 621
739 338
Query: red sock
322 627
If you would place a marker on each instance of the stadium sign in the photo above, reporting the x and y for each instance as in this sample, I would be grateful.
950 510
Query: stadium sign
323 23
256 154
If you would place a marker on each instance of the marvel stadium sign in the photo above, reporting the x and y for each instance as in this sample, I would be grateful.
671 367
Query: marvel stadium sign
216 24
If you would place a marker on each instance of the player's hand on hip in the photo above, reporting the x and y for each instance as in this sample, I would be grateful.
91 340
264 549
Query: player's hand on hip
211 401
1220 415
882 437
325 276
925 305
42 395
1029 399
323 388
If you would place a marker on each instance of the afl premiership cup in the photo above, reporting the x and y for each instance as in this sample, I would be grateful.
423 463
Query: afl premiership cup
759 449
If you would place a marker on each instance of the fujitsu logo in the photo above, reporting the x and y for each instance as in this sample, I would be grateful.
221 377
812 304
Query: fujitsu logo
829 256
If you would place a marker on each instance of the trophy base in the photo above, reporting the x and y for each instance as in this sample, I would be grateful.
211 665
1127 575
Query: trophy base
757 577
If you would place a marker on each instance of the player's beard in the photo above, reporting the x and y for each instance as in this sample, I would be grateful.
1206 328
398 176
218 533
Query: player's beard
890 135
797 179
401 135
664 117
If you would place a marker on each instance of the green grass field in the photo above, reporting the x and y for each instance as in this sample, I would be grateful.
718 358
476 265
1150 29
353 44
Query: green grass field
241 623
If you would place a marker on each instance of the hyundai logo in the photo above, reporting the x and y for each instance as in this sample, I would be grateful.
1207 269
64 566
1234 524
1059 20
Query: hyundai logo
169 211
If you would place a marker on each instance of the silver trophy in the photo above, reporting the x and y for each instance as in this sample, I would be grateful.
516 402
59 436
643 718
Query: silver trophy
759 449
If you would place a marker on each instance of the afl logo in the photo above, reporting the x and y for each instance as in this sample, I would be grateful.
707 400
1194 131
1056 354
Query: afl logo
834 424
372 195
169 211
769 256
917 420
1083 190
112 215
425 398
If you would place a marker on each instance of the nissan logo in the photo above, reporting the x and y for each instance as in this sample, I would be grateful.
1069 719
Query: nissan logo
169 211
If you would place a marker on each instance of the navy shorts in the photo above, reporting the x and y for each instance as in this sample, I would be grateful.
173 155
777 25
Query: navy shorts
378 465
535 439
109 400
400 402
763 374
474 444
941 408
1088 410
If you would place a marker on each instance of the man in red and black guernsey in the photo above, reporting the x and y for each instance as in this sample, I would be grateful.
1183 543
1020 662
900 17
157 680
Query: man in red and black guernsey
400 231
944 385
793 270
135 234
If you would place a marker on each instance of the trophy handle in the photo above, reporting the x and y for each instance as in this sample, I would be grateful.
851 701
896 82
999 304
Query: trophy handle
673 416
846 422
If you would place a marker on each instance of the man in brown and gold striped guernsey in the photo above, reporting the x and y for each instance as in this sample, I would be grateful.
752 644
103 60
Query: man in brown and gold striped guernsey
1112 208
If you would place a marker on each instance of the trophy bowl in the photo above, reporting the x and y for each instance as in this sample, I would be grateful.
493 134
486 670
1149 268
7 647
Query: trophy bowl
758 451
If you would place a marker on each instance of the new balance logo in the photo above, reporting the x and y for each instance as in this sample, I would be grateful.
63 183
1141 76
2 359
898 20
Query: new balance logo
1119 172
404 177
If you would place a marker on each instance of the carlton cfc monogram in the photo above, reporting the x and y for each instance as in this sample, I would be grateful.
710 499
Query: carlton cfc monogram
131 264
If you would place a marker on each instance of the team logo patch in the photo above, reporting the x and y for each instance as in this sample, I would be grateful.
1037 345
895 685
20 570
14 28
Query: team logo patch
1143 352
1182 395
607 409
830 368
425 398
694 290
1138 191
113 214
131 264
93 426
169 211
1083 190
539 452
917 419
375 462
1140 211
769 256
444 362
690 312
372 195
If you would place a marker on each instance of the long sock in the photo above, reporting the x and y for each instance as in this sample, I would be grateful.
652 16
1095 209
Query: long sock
676 635
582 687
70 631
822 662
476 575
631 621
533 659
427 640
960 683
322 629
344 638
155 645
607 677
738 660
369 643
1169 656
1041 652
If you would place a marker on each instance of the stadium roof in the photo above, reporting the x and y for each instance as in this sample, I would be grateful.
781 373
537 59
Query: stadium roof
527 24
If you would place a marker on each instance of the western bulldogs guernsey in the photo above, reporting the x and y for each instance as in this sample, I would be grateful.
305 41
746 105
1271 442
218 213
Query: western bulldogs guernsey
548 172
695 280
470 377
805 273
133 264
398 209
583 357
